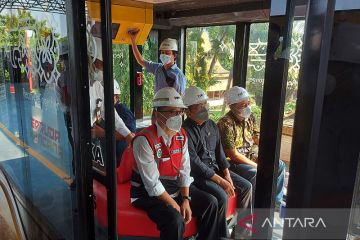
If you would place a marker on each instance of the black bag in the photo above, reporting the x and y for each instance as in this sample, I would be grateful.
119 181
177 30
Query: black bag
170 81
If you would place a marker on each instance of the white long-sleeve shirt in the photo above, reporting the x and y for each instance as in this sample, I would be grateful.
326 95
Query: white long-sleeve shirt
96 91
147 166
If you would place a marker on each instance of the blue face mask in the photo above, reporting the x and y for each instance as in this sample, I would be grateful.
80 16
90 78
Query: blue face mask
165 59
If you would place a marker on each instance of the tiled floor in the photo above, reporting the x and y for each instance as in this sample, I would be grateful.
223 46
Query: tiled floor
8 149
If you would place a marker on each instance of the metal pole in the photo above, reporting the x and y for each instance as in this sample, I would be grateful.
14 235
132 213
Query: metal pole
241 53
80 112
106 33
276 73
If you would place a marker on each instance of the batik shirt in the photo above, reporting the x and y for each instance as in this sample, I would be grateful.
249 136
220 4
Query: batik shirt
236 134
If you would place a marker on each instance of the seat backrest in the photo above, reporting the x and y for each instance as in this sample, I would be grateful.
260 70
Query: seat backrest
124 171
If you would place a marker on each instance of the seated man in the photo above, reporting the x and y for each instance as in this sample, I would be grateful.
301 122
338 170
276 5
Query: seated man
161 182
240 138
127 116
209 166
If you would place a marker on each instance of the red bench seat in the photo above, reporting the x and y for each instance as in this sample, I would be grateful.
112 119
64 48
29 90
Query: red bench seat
132 221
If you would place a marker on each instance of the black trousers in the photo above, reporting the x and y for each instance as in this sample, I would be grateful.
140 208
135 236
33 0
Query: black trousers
171 223
243 189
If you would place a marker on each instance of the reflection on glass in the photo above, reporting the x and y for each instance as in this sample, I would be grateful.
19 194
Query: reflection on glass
121 71
97 117
289 116
35 117
96 93
256 65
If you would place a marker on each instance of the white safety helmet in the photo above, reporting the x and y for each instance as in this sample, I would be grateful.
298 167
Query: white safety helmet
116 88
168 97
345 45
97 49
169 44
236 94
194 95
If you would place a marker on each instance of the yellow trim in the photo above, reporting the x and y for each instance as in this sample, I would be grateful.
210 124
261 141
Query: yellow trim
52 167
129 16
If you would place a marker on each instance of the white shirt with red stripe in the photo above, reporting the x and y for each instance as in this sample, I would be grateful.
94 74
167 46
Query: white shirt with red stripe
147 165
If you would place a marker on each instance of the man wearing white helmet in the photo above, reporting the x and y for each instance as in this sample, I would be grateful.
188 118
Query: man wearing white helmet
127 116
209 166
97 109
167 74
240 138
161 182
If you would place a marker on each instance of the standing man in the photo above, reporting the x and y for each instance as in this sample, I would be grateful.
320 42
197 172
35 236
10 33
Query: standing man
209 166
167 73
240 138
161 182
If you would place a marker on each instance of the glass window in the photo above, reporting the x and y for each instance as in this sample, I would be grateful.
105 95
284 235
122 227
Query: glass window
256 66
255 84
35 118
150 52
121 71
209 63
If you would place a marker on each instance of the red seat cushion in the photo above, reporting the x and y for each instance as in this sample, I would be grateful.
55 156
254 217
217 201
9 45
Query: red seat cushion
130 220
124 171
231 207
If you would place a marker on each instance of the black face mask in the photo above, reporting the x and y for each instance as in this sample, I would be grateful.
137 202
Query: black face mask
203 114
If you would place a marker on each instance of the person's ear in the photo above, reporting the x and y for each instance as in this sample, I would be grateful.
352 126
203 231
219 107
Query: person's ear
175 55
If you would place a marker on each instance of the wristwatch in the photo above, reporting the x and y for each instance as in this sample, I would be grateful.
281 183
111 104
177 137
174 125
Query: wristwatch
187 197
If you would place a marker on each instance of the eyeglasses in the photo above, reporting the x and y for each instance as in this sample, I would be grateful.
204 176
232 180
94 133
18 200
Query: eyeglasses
172 113
243 105
199 106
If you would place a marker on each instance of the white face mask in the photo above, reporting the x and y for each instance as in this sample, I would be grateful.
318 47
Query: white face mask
165 59
173 123
242 113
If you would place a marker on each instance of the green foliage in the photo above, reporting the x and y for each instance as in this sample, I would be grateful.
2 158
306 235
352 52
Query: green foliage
196 66
256 111
255 79
9 37
150 52
289 107
222 44
121 71
215 115
199 62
